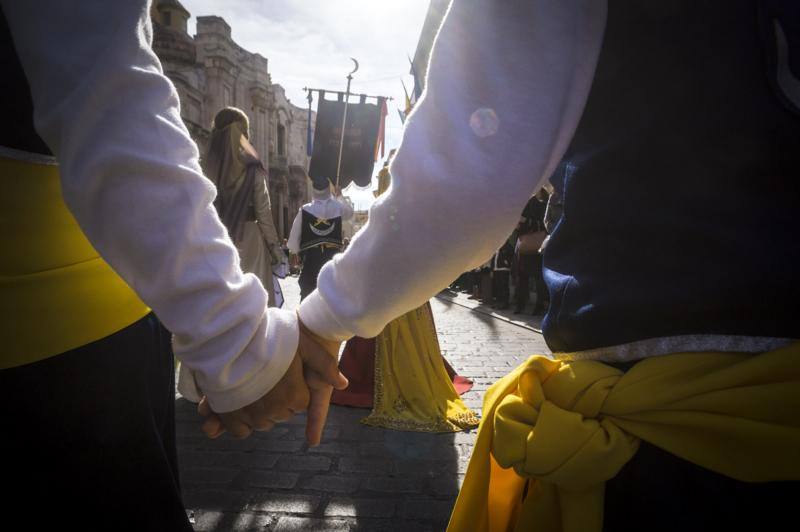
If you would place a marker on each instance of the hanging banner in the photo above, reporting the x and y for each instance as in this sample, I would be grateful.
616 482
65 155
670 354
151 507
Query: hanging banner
358 153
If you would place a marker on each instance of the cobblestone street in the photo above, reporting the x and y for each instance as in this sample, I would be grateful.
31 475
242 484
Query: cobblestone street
360 477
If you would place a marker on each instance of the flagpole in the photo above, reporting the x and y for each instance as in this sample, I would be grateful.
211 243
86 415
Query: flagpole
309 140
344 120
365 96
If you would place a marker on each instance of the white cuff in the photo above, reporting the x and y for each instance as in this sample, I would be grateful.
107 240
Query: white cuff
319 318
282 337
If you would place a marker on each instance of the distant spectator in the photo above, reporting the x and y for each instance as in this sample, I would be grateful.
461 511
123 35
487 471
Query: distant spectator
528 261
501 273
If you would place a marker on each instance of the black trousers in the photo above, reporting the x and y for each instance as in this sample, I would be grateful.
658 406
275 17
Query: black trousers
541 287
463 282
529 266
501 286
659 492
522 286
313 261
89 436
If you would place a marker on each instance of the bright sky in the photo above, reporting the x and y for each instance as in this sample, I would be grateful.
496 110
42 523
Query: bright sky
309 44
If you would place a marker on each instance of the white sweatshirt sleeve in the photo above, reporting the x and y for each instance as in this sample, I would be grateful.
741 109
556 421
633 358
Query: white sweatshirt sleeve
506 86
130 176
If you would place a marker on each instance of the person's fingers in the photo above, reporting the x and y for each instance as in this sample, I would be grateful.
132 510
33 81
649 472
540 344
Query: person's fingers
327 368
238 428
238 423
282 416
317 409
298 395
331 346
318 414
203 408
212 427
299 400
263 425
290 395
320 361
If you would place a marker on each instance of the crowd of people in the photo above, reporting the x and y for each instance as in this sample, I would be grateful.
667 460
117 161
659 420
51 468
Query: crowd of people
516 267
670 399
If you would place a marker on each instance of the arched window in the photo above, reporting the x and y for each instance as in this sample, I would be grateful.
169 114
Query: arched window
281 140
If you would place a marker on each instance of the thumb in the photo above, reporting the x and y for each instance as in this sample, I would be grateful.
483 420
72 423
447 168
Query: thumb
320 361
203 408
212 425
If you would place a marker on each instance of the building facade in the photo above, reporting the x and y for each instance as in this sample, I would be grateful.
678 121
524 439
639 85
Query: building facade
210 71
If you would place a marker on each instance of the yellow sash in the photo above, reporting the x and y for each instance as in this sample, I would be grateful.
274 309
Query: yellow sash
565 428
56 293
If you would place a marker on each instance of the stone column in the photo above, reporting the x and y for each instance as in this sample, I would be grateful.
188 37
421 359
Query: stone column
221 77
260 103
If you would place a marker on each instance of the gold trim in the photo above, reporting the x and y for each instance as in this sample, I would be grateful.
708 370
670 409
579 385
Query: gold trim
462 421
440 425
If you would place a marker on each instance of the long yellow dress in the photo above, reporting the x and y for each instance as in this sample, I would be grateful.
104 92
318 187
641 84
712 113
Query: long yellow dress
413 390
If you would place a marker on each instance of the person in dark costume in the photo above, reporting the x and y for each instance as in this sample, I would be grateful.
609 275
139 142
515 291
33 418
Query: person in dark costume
316 234
501 274
529 262
670 399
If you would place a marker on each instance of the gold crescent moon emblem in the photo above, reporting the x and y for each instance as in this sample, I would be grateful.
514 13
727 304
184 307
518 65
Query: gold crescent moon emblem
323 232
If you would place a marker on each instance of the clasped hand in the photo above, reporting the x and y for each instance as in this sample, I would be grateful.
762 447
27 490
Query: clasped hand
306 385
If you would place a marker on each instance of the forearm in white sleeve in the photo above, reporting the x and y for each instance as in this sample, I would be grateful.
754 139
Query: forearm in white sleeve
130 176
506 86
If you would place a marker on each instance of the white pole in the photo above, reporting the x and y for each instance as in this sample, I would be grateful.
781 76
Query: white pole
344 121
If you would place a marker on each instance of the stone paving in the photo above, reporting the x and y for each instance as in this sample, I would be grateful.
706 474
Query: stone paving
525 319
360 477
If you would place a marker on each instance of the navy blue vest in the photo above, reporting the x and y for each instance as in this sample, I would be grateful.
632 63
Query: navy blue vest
317 231
682 207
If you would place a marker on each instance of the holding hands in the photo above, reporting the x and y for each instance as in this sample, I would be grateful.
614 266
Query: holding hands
306 385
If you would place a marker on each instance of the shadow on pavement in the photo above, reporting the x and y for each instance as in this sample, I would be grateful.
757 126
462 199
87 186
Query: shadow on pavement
359 478
524 319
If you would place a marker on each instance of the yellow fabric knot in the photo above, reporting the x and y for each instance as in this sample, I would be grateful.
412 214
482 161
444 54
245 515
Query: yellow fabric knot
554 432
561 439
